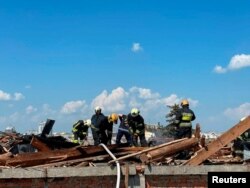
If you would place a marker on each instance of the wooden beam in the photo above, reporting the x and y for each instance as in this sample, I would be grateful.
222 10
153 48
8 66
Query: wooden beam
169 150
147 150
220 142
126 175
39 158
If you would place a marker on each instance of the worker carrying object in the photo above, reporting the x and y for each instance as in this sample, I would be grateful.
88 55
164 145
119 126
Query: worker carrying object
183 119
106 128
80 130
137 127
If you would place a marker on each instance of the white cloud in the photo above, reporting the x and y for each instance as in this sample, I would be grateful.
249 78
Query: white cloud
18 96
7 97
151 104
153 107
219 69
238 112
171 100
72 107
4 96
236 62
136 47
239 61
30 109
115 101
144 93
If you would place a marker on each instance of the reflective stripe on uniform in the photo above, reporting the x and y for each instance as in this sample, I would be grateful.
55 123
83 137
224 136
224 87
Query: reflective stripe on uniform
185 124
187 116
75 141
238 151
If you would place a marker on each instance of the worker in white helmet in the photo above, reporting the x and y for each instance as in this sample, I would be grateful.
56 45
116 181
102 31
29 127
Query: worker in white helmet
95 121
137 127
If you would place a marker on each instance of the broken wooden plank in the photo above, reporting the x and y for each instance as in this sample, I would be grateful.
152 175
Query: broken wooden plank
169 150
147 150
37 158
197 132
220 142
80 160
126 175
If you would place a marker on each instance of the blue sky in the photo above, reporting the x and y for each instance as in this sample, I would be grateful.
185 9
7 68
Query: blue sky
60 59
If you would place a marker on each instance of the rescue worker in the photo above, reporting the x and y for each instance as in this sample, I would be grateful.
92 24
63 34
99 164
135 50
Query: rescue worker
80 130
183 119
241 143
106 128
95 121
137 127
123 130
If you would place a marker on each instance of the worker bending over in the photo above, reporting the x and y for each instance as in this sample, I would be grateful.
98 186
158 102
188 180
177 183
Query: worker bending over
80 130
137 127
106 128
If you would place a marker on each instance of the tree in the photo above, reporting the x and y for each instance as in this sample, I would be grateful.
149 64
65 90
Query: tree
170 128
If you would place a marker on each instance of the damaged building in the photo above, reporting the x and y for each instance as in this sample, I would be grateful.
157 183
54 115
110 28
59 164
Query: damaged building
53 161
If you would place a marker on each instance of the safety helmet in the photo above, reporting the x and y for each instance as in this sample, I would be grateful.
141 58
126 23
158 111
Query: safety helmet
113 118
87 122
135 112
98 109
184 102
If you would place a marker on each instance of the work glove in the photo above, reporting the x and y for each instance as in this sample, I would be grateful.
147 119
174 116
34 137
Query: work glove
137 132
131 130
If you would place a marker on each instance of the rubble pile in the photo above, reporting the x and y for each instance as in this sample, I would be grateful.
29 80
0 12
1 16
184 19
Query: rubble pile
18 151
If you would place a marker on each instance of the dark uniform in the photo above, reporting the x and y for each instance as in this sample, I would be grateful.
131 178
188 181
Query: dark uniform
80 130
137 129
183 119
95 120
105 130
123 130
241 143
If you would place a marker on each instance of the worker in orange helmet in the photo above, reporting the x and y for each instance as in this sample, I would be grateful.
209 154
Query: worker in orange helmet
183 119
106 128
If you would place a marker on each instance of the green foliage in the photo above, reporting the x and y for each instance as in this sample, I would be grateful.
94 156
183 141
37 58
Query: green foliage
170 130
